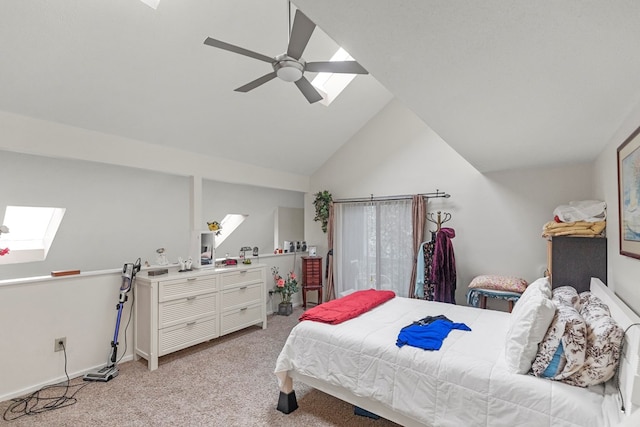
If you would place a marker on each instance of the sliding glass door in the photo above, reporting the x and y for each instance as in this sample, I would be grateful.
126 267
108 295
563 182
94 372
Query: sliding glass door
373 247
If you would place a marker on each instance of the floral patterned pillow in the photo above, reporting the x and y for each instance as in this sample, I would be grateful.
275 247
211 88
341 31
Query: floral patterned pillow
567 295
499 283
566 336
604 338
592 306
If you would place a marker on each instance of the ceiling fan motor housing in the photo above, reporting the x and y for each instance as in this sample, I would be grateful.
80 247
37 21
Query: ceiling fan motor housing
288 69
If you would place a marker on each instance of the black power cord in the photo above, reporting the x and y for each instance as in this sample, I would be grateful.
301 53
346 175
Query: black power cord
622 407
39 401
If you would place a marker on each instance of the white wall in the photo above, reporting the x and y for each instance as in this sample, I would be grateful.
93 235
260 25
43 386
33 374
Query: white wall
32 136
114 214
259 203
497 217
34 314
623 272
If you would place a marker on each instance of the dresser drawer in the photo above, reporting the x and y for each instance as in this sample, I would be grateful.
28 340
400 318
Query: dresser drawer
241 296
187 334
181 288
241 276
186 309
232 320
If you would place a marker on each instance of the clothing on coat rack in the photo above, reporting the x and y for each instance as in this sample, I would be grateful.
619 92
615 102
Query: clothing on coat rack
424 286
443 273
428 263
436 270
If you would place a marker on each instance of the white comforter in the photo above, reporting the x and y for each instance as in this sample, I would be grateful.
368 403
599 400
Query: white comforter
463 384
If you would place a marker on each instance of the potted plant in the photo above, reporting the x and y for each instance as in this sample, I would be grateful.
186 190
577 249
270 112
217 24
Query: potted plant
321 202
286 288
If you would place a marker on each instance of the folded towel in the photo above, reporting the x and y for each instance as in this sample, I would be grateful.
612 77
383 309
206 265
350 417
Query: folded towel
577 228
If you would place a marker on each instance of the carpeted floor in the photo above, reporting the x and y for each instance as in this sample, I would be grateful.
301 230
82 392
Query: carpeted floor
225 382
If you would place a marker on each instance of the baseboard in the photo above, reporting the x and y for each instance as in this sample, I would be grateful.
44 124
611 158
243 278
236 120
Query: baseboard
72 375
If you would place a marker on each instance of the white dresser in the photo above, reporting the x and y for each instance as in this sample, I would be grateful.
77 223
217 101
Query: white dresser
178 310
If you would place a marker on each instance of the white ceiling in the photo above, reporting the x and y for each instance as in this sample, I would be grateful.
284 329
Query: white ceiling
123 68
506 84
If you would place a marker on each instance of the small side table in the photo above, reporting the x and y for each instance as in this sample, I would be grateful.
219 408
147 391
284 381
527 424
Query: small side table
311 277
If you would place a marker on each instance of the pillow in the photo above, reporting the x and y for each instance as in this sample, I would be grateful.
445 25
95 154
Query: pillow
530 320
604 338
565 341
591 306
566 295
499 283
541 285
554 366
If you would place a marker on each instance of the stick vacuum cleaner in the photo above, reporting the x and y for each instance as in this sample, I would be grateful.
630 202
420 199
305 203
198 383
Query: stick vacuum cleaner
111 371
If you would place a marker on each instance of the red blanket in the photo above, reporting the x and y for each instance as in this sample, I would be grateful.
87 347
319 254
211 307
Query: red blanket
345 308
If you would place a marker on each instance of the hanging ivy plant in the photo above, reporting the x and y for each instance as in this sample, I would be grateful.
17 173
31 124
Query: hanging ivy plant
321 202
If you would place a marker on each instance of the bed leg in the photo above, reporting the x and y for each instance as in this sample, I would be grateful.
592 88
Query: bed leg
287 402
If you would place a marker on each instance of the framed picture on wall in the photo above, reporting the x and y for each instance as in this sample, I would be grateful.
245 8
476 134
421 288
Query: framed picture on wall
629 195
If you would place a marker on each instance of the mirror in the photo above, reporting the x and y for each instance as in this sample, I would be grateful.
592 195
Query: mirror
288 226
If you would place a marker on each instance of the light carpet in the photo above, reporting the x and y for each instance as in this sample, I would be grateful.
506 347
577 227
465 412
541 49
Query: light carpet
228 381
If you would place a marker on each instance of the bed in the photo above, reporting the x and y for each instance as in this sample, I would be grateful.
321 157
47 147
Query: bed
464 383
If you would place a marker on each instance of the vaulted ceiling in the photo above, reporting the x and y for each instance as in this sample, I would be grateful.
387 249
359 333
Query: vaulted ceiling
506 84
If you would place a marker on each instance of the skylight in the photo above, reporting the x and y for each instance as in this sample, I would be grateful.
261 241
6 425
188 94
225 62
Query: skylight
330 85
31 233
151 3
228 225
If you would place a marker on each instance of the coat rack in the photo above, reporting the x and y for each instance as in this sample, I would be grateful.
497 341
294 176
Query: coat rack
440 218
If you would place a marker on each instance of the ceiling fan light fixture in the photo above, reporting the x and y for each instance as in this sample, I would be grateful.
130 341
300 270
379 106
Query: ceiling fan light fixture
289 71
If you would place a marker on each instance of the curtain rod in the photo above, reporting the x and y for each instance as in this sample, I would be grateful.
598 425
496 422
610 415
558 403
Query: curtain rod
431 195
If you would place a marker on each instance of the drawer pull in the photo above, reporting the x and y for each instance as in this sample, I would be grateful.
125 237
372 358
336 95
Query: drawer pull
191 323
191 279
243 308
243 288
191 298
243 272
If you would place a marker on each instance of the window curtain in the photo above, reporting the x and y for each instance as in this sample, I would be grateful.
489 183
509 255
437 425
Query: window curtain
418 220
373 246
331 293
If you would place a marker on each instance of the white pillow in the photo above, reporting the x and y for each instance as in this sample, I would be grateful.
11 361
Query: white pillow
543 285
529 324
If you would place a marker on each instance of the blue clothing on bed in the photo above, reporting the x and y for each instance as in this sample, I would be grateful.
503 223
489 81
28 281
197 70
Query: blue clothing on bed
430 336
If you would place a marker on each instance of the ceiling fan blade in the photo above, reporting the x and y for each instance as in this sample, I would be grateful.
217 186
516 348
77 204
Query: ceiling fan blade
300 34
348 67
308 90
257 82
235 49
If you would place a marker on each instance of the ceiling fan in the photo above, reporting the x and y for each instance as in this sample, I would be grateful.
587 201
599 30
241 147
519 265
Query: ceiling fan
290 66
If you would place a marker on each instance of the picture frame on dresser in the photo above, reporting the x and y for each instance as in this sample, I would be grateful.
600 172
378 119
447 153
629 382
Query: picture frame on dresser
628 155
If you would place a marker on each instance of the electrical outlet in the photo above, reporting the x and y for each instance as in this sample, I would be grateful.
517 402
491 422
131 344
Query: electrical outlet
60 344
